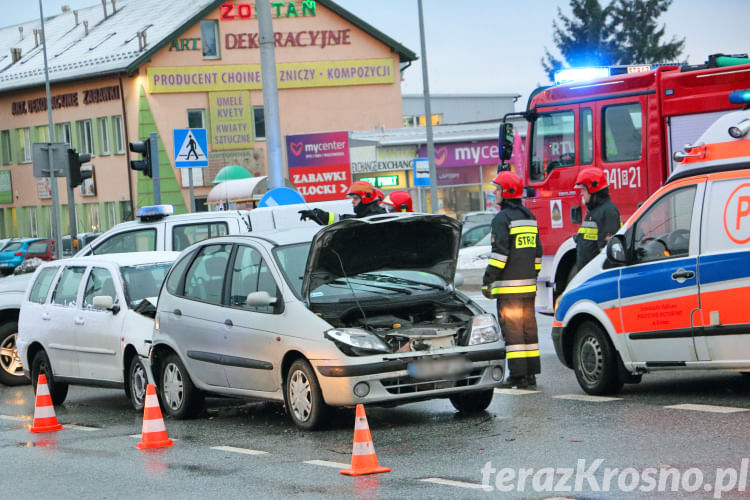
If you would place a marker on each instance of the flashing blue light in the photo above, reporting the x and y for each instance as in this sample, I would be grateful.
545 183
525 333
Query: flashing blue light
740 96
573 75
154 211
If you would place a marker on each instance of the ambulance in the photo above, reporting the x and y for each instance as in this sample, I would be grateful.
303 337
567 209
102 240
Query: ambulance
672 289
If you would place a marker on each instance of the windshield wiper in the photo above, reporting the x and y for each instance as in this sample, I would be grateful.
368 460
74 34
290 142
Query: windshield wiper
399 281
378 285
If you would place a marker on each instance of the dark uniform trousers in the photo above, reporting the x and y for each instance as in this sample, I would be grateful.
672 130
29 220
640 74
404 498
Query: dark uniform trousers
511 278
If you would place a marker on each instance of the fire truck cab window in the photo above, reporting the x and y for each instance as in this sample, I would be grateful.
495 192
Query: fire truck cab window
622 132
553 143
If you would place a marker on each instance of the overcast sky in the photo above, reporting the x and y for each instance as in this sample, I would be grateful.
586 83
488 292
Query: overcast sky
492 46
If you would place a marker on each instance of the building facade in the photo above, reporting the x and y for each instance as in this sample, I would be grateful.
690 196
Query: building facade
123 70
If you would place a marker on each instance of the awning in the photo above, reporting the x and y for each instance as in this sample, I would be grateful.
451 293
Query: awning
232 173
241 190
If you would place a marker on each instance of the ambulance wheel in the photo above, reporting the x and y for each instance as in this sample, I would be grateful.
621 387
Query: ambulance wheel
595 360
472 402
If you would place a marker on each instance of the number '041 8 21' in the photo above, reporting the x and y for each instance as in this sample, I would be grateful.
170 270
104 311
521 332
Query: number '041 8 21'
620 178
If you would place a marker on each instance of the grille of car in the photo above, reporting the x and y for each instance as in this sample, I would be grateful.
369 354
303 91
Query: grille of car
408 385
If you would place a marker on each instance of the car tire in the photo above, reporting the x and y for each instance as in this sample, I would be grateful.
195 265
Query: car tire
11 370
472 402
304 400
137 383
595 361
179 397
40 365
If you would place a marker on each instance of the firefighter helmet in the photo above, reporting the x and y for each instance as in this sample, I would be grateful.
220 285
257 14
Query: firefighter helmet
400 201
592 178
379 195
364 190
510 184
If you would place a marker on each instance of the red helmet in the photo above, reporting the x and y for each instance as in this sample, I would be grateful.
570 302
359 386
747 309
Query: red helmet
400 201
364 190
379 195
510 184
593 178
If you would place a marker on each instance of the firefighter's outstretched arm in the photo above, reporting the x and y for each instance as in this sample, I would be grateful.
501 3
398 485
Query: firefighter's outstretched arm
320 216
499 255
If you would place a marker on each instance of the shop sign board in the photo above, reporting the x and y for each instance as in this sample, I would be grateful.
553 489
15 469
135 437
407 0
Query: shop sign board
464 154
367 159
289 76
231 120
421 172
383 181
319 164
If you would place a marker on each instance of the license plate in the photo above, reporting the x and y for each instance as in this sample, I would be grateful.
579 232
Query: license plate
433 369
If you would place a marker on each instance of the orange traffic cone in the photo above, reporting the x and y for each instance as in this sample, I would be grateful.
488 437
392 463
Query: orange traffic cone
44 412
364 460
154 434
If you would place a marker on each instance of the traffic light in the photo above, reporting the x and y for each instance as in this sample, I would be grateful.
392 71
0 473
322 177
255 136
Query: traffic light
75 174
144 164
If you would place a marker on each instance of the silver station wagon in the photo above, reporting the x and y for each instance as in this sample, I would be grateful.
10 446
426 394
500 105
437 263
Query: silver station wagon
362 311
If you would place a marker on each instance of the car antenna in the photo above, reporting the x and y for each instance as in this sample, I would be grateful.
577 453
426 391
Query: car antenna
354 295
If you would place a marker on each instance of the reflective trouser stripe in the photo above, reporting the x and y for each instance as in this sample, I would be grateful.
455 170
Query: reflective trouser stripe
497 263
522 354
514 289
521 347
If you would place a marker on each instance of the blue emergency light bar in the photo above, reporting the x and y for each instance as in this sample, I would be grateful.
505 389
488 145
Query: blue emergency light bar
155 211
739 96
574 75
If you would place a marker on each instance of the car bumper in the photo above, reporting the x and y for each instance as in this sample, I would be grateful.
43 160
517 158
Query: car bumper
557 332
389 382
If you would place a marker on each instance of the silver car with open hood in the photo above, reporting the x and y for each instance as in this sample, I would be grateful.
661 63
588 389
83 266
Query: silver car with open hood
362 311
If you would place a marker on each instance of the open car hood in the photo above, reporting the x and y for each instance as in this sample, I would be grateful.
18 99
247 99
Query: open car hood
417 242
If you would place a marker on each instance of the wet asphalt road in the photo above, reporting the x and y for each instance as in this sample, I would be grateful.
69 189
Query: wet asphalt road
432 451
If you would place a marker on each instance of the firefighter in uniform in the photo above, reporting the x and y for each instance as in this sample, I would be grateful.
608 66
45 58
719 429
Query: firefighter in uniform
364 198
602 217
398 201
510 277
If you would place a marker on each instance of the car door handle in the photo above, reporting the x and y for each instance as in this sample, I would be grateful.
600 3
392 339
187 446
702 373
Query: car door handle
177 312
682 274
228 322
46 317
79 321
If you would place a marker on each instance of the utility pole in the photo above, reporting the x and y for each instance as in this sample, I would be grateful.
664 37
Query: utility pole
428 116
56 229
270 95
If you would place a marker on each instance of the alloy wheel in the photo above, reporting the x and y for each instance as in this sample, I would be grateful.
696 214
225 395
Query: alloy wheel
173 386
300 396
10 360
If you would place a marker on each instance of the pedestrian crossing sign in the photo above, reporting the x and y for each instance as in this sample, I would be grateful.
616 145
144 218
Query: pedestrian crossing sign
190 147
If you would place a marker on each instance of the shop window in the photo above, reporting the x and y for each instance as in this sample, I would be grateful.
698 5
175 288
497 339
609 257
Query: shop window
86 136
5 150
622 132
587 136
117 130
104 135
259 116
196 118
210 39
25 145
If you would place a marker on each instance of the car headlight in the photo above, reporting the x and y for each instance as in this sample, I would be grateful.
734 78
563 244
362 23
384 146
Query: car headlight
356 342
484 329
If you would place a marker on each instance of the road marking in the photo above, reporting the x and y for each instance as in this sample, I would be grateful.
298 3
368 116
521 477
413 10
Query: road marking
515 392
587 397
22 418
245 451
706 408
82 427
326 463
459 484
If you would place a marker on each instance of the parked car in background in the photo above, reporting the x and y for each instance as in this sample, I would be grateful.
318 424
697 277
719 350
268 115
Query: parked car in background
471 233
305 317
41 249
13 254
89 320
83 240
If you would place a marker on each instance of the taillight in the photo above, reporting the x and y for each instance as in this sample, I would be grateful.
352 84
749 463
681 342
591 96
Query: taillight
18 254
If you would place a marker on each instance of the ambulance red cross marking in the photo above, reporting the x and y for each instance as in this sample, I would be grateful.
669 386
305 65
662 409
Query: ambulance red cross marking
737 215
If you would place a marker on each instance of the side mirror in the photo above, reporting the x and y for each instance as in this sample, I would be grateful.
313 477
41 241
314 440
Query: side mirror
616 249
260 299
105 303
506 141
576 215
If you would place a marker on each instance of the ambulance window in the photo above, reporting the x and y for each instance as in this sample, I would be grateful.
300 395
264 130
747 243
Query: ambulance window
552 143
622 132
663 231
587 136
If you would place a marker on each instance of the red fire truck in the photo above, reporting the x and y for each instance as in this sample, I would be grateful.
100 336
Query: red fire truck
629 125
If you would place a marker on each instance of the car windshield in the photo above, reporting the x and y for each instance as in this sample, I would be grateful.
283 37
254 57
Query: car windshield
13 247
486 240
143 281
371 285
